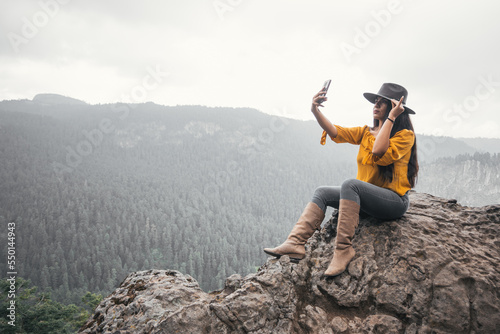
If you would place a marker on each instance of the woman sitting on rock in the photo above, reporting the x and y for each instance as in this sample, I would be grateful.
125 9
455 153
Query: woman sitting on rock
387 170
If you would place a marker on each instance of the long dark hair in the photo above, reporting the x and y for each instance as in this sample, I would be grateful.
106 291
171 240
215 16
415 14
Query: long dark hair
403 121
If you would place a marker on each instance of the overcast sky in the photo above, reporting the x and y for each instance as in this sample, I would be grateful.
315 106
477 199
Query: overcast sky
270 55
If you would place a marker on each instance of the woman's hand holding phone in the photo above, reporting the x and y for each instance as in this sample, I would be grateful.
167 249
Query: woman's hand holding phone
320 97
328 127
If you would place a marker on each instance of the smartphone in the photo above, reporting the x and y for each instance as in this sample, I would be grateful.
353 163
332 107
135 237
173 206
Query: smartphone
326 85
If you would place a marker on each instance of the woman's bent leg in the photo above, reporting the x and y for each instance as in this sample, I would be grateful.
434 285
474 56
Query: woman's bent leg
307 224
376 201
326 196
346 226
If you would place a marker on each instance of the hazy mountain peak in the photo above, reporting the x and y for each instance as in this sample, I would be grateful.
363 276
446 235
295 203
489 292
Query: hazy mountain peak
56 99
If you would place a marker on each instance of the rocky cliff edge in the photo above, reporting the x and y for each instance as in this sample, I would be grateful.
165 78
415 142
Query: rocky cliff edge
435 270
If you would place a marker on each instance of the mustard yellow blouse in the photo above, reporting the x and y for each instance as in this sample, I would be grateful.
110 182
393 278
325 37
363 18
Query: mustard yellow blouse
399 153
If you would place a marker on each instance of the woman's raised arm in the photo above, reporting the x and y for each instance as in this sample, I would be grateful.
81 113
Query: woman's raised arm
381 143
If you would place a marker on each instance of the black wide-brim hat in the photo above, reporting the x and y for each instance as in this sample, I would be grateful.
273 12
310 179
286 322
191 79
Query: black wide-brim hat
390 91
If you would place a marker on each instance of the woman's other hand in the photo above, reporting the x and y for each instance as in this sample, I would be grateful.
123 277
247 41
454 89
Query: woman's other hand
397 108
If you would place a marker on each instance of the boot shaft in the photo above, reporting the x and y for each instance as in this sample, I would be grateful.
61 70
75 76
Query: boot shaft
307 224
347 222
309 221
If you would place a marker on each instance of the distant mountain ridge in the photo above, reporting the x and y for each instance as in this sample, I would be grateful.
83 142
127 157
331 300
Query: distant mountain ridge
56 99
472 179
430 147
491 145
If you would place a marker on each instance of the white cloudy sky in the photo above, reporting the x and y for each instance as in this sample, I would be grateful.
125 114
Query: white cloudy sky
271 55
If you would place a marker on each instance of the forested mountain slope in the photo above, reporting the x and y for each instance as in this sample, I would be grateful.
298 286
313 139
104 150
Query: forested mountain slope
471 179
100 191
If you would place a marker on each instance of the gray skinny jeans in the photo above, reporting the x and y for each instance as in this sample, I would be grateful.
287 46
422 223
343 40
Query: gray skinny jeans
376 201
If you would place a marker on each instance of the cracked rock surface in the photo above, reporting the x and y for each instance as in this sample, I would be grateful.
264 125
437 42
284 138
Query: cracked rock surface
435 270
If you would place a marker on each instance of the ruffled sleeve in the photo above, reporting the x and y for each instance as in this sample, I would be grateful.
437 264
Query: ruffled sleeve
399 145
346 135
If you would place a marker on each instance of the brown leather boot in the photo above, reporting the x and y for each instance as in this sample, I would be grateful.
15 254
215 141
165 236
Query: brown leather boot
309 221
346 226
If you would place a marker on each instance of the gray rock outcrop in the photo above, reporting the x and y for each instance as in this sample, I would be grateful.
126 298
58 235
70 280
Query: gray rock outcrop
435 270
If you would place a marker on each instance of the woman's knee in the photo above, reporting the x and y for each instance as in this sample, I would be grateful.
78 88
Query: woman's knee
326 196
321 191
350 184
350 190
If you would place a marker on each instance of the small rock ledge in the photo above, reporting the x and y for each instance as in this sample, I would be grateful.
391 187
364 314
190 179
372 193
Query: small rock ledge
435 270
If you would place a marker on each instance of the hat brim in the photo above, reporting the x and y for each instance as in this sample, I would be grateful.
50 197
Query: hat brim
371 97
